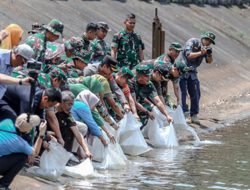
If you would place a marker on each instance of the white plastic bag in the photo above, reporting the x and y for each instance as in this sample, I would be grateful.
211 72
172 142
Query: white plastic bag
131 138
160 117
81 170
179 118
52 162
112 160
164 137
96 148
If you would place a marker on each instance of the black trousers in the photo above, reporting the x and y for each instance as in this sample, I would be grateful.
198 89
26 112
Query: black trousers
10 165
6 112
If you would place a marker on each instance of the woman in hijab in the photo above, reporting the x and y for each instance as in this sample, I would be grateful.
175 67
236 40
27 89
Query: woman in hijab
14 36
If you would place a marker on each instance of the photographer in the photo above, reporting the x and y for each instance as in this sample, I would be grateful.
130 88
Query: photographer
9 59
14 150
193 54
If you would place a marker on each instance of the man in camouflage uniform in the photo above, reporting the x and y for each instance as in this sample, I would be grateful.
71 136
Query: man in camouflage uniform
88 36
122 78
162 73
127 46
168 59
100 48
54 78
145 94
38 41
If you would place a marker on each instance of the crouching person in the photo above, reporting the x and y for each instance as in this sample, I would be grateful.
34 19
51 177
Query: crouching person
68 125
14 150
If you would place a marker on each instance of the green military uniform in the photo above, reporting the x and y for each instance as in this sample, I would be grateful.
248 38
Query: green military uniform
143 93
128 46
99 48
38 41
44 79
166 61
38 44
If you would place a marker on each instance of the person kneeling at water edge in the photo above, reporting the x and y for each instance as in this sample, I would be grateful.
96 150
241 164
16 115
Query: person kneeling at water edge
14 150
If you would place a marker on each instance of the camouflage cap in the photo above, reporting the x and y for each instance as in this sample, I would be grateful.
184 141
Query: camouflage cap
73 44
104 26
143 69
85 58
209 35
175 45
112 62
127 72
164 70
56 72
55 26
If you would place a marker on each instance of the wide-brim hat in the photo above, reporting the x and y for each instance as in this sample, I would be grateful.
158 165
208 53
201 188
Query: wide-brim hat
209 35
23 125
55 26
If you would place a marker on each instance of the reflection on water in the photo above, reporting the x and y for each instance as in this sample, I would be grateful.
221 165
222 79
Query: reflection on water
219 162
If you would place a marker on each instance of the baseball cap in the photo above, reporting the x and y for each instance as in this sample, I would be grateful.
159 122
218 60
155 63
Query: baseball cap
127 72
23 125
175 45
25 51
164 70
143 69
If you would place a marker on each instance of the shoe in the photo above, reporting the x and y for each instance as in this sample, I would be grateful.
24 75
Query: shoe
186 114
195 120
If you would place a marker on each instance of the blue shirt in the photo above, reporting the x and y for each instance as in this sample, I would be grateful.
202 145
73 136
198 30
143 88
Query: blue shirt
10 142
5 67
191 46
81 112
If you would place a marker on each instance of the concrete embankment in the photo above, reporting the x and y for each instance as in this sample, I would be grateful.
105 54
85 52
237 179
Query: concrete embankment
225 85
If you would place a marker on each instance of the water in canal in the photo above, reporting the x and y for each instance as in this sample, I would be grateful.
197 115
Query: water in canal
221 161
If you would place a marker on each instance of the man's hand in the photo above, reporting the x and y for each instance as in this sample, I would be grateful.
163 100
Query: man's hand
151 115
127 108
111 138
115 126
89 155
27 81
42 128
169 118
61 141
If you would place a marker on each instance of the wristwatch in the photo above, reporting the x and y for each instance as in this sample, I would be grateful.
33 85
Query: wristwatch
20 82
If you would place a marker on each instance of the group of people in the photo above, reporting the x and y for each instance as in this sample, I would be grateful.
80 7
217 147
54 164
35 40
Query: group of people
66 91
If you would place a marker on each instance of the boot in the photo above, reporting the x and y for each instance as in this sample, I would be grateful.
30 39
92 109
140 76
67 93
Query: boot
195 120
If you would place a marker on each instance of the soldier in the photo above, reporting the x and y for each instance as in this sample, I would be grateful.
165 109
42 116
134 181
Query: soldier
145 95
38 41
122 78
99 47
127 46
194 52
88 35
168 59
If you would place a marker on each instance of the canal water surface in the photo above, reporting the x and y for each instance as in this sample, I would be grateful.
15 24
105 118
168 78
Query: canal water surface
220 161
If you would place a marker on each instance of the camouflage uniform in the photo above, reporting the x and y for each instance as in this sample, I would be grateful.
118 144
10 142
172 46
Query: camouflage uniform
128 48
38 41
99 48
143 93
44 79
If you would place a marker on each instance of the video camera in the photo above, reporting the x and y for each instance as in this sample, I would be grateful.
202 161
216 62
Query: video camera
33 67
